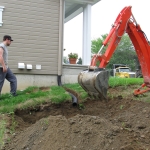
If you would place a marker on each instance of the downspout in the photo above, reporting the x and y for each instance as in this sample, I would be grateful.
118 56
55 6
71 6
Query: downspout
60 52
61 32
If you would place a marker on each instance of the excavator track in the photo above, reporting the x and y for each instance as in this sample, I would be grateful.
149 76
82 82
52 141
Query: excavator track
95 83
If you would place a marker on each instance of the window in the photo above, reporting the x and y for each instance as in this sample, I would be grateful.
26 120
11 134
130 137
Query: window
1 10
117 70
124 70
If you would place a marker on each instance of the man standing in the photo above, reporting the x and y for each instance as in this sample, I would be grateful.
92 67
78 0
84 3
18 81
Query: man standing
5 72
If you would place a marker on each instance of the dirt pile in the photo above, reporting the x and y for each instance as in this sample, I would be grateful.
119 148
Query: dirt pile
120 124
57 132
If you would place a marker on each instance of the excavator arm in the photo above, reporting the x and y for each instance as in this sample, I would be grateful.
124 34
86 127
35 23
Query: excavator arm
113 38
142 49
94 81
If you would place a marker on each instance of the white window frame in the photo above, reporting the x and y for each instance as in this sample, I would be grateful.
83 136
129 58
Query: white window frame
1 10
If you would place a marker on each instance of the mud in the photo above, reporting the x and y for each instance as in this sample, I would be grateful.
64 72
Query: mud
122 123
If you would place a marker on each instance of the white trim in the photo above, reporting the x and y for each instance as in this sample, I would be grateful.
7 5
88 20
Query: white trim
83 1
1 10
86 52
75 7
74 14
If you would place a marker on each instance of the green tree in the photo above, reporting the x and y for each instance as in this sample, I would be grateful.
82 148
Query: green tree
124 53
97 43
79 61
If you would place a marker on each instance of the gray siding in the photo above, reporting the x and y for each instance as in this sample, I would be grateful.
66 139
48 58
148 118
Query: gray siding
34 26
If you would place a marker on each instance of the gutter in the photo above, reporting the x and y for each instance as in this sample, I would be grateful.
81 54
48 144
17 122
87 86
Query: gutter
60 52
61 32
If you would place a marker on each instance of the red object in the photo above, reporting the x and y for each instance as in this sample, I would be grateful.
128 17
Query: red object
72 60
126 23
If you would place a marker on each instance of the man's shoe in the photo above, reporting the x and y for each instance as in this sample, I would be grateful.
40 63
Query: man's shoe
14 95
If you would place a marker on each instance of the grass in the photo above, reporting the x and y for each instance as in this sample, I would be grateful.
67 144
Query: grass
78 89
33 96
2 132
58 95
114 81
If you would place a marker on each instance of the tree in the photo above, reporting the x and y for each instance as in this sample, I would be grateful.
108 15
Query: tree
124 53
97 43
79 61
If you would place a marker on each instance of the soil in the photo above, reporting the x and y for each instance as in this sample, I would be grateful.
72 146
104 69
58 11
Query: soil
121 123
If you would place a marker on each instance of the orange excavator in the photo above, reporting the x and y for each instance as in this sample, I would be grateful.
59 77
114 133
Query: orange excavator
94 80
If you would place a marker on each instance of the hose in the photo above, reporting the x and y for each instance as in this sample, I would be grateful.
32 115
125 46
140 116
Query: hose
74 98
59 80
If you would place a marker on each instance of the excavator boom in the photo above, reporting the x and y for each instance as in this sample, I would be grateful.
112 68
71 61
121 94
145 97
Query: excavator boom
95 79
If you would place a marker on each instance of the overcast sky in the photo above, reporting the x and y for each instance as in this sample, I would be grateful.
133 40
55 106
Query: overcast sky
104 14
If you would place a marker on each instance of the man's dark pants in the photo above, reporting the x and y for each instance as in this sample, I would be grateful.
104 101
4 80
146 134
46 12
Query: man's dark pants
11 78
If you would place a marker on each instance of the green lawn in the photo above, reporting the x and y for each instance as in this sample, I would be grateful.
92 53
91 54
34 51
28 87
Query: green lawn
33 96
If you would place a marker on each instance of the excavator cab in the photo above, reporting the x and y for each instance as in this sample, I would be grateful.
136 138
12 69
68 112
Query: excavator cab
94 80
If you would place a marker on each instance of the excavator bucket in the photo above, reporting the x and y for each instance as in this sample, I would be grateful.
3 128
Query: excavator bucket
95 83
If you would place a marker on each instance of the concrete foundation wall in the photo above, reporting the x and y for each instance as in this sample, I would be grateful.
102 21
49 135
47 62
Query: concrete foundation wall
69 75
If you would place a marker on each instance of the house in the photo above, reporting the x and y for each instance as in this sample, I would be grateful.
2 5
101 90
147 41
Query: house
35 55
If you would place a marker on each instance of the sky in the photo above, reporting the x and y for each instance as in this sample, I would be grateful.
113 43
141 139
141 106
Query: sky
104 13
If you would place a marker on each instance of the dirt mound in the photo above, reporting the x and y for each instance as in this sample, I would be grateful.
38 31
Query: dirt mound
119 124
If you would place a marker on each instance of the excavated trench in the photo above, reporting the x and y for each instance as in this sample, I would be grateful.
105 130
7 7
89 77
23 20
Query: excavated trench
121 124
68 109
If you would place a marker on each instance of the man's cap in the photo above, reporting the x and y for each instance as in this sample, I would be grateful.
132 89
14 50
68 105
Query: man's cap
7 37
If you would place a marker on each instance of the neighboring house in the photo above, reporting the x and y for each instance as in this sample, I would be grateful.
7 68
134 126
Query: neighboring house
36 53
